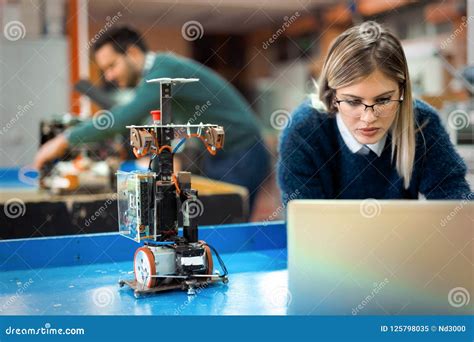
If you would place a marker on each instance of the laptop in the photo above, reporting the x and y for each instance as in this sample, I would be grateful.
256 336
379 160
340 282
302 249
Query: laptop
373 257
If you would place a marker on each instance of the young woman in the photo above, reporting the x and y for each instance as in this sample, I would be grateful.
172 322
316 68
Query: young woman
363 135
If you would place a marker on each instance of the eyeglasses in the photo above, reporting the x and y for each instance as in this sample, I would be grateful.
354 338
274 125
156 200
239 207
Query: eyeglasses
382 107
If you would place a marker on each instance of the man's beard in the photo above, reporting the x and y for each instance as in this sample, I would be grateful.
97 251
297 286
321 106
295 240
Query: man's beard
133 76
133 79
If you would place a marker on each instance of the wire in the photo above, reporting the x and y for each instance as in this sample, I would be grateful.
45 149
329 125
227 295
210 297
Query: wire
221 262
151 160
176 184
158 152
208 147
168 147
210 262
181 142
159 243
195 135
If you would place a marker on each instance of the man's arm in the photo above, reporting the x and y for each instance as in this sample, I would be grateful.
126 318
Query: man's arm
145 99
108 123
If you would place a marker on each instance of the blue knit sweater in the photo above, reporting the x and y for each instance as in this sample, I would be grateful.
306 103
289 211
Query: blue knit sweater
315 162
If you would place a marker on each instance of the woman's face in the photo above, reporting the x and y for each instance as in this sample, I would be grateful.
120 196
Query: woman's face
368 128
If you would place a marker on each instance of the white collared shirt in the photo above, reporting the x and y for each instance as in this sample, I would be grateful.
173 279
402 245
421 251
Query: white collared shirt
355 146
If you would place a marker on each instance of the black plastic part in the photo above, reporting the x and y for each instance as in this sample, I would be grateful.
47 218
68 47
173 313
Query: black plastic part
191 233
166 215
165 105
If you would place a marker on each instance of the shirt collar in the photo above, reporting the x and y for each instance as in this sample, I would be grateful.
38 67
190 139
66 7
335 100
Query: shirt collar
149 61
351 142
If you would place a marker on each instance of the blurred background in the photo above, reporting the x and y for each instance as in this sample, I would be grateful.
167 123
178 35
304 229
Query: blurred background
269 50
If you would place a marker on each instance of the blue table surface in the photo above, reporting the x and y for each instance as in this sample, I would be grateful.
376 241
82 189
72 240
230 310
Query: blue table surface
78 275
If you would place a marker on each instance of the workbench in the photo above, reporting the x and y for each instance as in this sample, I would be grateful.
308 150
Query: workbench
45 214
79 275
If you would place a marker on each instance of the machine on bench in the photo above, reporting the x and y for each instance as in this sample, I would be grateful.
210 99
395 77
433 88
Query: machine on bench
88 169
151 203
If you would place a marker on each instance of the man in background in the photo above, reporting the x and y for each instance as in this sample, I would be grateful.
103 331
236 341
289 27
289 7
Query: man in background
125 60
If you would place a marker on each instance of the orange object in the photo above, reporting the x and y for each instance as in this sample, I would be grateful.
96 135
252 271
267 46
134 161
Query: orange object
176 184
77 163
139 155
210 263
208 147
165 147
73 182
72 31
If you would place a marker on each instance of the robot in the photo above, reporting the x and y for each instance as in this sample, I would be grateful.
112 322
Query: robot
151 203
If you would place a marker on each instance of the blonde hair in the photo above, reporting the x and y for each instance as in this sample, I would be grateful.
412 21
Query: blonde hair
353 56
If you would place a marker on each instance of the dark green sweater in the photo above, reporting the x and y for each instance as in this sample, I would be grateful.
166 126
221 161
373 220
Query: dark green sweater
211 100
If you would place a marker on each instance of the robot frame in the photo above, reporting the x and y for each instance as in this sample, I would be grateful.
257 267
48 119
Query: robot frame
150 204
